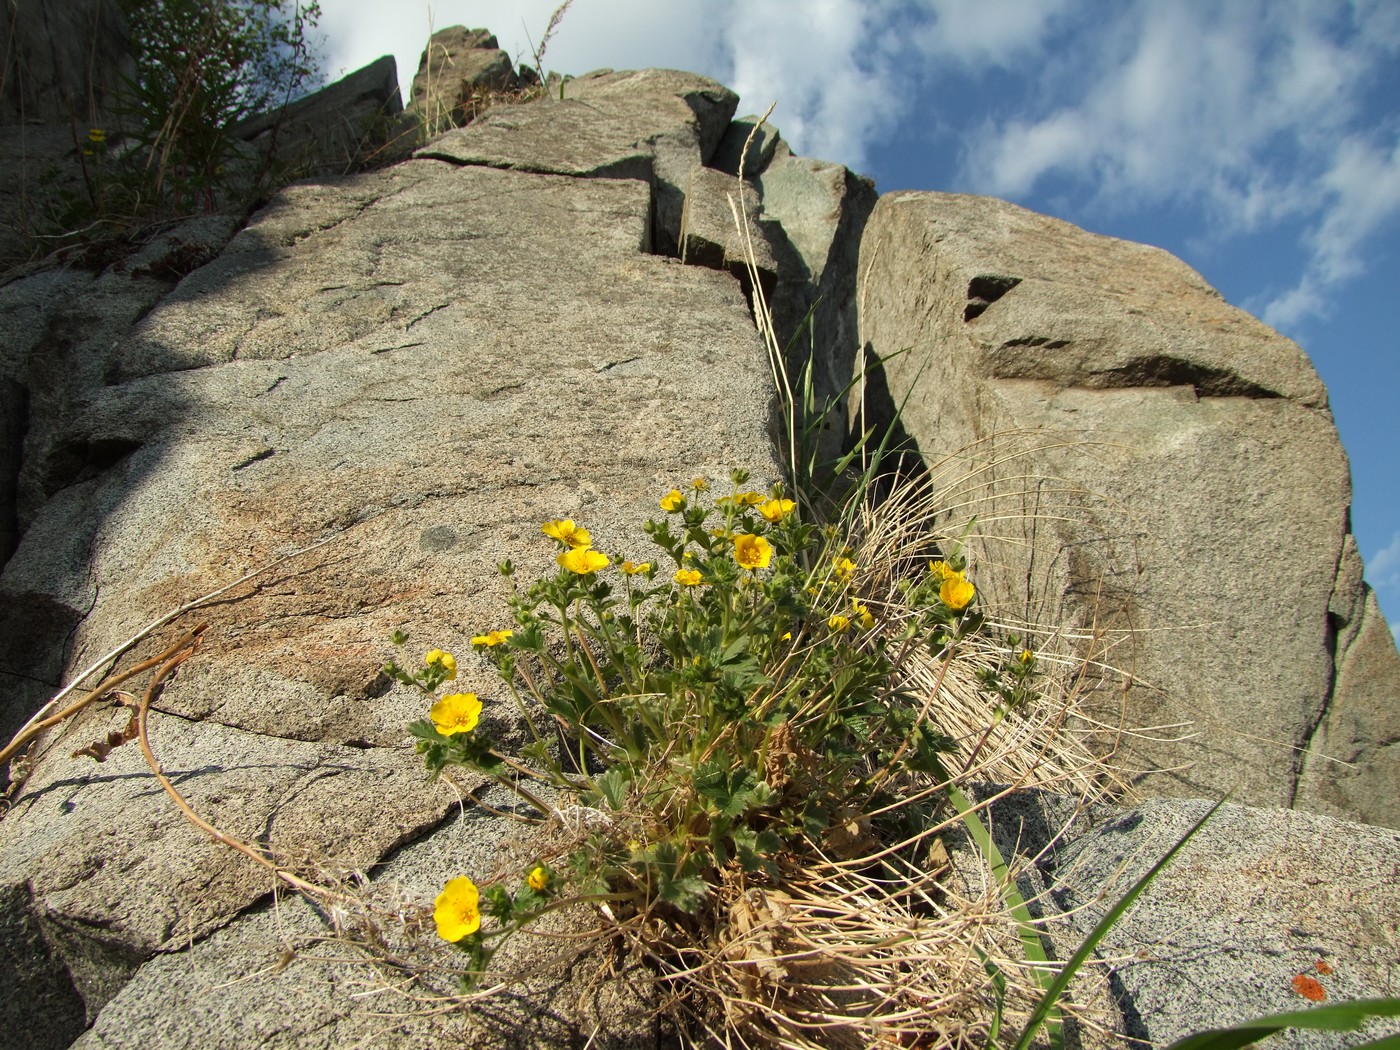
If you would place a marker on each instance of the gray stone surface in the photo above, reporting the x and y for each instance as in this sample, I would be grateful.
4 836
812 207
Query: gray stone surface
761 145
814 213
1258 898
61 61
710 234
1156 469
345 126
655 124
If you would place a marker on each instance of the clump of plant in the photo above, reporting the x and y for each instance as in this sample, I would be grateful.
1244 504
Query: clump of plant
732 716
200 67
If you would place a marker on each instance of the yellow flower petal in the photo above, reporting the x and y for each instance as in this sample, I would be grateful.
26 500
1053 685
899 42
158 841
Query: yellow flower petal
776 509
582 560
446 661
863 616
672 501
844 568
631 568
567 533
491 638
752 552
456 713
955 591
688 577
538 879
838 623
456 910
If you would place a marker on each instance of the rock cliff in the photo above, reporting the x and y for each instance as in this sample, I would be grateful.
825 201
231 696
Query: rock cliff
379 385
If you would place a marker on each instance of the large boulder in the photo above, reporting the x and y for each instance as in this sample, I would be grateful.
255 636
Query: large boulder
394 362
1157 471
459 74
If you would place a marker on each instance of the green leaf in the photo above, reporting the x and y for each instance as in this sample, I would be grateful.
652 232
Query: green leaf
684 893
1335 1017
730 792
612 786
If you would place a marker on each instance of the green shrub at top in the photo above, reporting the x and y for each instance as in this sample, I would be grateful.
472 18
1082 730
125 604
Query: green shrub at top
200 67
732 704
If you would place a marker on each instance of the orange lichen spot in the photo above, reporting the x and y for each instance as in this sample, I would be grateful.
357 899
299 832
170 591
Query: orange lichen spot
1323 968
1309 989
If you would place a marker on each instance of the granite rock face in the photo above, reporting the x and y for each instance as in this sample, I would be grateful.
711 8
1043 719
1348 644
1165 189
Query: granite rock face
62 61
398 362
375 389
1158 470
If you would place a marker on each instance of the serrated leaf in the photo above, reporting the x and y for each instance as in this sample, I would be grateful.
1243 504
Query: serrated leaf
612 786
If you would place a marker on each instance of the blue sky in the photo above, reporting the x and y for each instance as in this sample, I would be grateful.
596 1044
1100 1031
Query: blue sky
1259 140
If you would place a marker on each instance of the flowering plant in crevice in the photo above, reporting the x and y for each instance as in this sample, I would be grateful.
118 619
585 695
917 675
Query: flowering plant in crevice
724 711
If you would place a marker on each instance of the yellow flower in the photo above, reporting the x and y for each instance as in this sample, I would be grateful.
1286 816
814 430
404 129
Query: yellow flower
688 577
446 661
491 638
631 568
456 910
776 509
97 135
567 533
862 616
955 591
582 560
1027 656
699 484
787 636
838 623
456 713
538 879
844 568
672 501
941 569
752 552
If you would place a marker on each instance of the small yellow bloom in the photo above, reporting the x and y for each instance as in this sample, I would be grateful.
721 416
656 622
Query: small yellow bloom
456 910
1027 656
672 501
631 568
446 661
956 591
749 499
582 560
688 577
699 484
538 879
838 623
456 713
491 638
776 509
862 616
567 533
787 636
97 135
941 569
752 552
844 568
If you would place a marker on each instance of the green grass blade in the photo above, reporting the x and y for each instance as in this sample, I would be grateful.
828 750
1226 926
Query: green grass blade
1336 1017
1015 903
1052 994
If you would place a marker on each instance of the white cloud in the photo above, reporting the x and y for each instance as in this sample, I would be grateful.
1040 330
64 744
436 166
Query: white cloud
830 64
1384 569
1247 112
